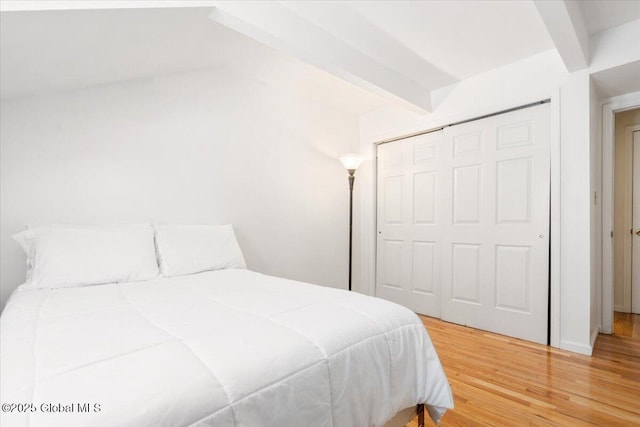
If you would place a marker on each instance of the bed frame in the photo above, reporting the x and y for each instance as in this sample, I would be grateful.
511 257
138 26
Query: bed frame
403 417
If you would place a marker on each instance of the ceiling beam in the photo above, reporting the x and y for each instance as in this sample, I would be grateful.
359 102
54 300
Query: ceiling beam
282 28
566 27
615 47
350 26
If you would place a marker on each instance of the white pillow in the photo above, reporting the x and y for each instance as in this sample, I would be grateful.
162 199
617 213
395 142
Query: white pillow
68 256
189 249
25 240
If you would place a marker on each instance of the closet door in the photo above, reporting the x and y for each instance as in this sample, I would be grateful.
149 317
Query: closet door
463 223
495 271
410 223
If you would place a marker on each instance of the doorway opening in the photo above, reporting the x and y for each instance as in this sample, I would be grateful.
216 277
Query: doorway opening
626 223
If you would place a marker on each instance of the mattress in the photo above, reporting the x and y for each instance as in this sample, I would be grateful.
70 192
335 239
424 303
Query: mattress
220 348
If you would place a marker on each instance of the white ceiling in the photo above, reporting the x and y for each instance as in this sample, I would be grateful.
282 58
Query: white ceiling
51 51
337 53
463 38
58 50
600 15
618 80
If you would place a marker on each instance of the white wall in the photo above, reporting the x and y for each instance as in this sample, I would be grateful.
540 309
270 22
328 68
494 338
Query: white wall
206 147
575 214
529 80
540 77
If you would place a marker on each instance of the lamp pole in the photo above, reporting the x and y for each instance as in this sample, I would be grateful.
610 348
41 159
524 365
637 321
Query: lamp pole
351 179
351 162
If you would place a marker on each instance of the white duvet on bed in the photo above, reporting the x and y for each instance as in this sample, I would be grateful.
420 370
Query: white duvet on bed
221 348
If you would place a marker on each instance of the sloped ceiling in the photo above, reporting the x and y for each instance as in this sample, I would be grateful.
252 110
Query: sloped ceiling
44 52
58 50
353 55
601 15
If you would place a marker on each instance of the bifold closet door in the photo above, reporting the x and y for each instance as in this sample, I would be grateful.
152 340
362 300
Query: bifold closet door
463 223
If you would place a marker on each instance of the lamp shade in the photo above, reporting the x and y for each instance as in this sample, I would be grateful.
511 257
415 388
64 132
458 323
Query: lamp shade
351 161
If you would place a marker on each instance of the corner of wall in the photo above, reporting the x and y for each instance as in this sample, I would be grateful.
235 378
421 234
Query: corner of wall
575 214
580 348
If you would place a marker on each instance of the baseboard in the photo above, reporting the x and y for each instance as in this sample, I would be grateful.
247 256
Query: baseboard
576 347
594 336
620 308
581 348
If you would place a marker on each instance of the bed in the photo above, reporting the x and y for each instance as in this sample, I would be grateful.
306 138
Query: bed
229 347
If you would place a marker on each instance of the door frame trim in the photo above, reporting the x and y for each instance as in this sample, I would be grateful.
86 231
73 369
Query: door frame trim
554 222
609 108
629 132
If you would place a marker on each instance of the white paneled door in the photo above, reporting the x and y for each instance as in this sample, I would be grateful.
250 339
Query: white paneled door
635 269
463 223
410 223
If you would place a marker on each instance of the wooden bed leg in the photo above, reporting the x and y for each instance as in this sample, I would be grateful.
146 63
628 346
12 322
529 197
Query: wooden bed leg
420 410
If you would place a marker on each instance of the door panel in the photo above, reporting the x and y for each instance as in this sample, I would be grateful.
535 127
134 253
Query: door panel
467 191
424 191
393 199
513 198
465 222
513 277
465 277
423 266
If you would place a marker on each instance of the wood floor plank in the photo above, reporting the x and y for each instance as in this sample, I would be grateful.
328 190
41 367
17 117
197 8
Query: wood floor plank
626 324
502 381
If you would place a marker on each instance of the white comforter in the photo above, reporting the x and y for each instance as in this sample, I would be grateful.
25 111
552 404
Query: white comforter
223 348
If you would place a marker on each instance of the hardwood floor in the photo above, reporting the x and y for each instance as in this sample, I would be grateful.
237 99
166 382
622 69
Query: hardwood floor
502 381
626 324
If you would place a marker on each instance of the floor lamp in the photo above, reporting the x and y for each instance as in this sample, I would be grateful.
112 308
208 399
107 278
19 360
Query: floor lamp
351 163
